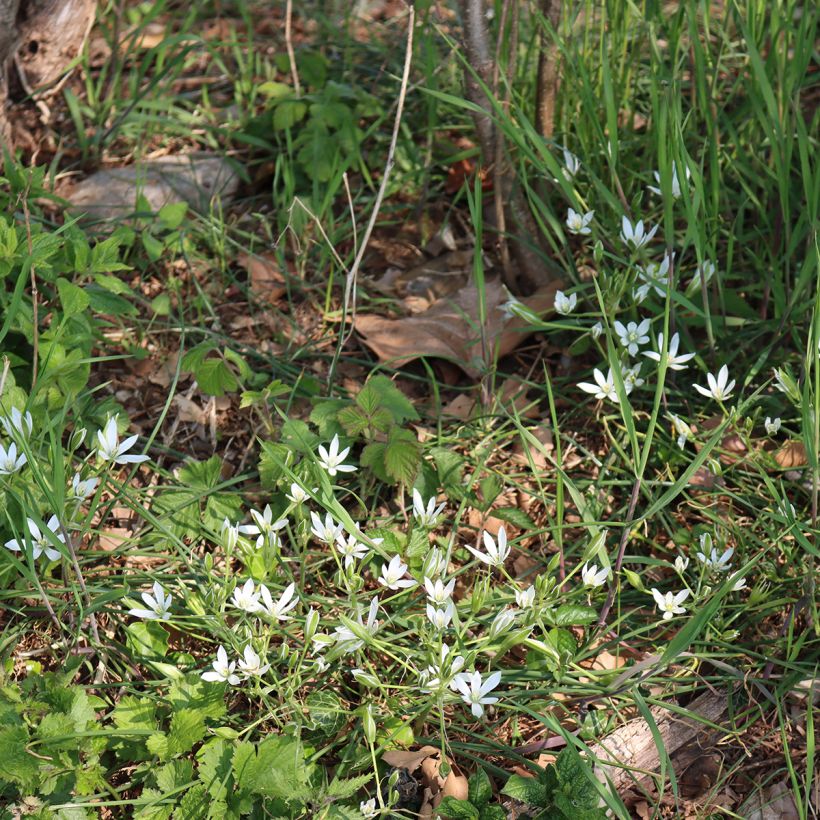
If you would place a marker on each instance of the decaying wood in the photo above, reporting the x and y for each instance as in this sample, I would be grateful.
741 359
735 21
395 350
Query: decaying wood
632 749
38 39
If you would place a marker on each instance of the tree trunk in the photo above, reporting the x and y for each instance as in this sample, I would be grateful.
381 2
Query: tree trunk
38 39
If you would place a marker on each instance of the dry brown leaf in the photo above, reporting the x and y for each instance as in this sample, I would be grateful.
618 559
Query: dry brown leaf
776 804
409 760
264 277
455 786
449 329
189 411
792 454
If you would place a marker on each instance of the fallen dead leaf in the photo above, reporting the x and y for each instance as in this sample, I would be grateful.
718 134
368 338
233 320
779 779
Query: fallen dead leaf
792 454
450 330
776 803
264 277
189 411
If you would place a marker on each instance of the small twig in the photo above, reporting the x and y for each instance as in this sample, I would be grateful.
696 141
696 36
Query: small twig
630 514
289 46
350 281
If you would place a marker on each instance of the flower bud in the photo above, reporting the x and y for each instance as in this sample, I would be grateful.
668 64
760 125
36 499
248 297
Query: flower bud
369 725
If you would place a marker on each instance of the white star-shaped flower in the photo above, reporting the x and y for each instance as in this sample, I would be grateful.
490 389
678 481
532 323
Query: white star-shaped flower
110 448
392 575
41 542
246 597
565 304
591 576
438 592
636 235
676 189
10 461
326 531
670 604
604 387
428 514
331 459
674 360
475 692
579 223
17 424
251 664
495 554
525 598
720 388
223 672
440 618
278 609
159 605
633 334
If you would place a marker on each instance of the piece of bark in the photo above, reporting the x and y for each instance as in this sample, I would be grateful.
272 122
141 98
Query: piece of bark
625 757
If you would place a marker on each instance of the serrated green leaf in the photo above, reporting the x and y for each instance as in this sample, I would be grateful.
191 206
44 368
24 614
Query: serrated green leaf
372 457
274 455
215 377
146 639
391 398
172 214
149 808
325 415
74 300
298 436
134 713
16 764
215 768
479 789
516 517
575 778
450 469
342 789
194 804
402 456
571 615
174 775
492 813
191 692
528 790
325 710
457 809
287 113
275 768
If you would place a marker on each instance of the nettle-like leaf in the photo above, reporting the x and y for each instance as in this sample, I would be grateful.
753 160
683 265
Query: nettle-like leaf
479 789
342 789
187 728
575 778
275 768
402 456
191 692
392 399
571 615
530 790
457 809
215 770
212 372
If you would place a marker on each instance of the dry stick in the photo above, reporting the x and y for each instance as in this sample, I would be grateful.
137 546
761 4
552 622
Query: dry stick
289 46
630 514
350 281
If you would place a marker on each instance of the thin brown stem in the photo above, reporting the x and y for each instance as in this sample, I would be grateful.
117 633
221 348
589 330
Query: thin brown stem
294 73
630 515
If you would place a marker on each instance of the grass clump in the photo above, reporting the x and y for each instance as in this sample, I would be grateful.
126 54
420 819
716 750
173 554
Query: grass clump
250 573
